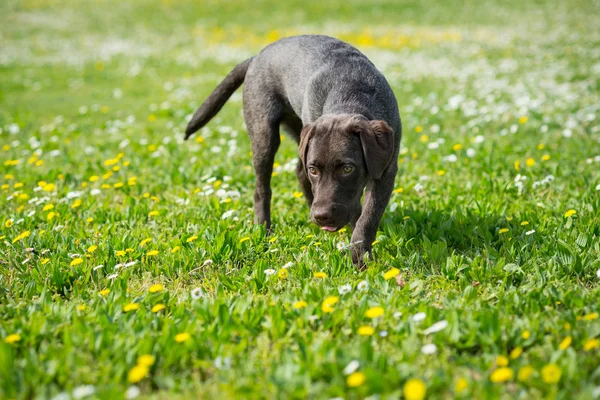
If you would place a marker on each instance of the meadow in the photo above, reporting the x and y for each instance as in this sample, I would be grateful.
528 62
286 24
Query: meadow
130 266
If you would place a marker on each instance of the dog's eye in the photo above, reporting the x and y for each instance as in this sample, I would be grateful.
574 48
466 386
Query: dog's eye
313 171
347 169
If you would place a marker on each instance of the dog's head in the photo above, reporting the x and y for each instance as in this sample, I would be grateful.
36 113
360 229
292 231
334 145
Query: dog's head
340 154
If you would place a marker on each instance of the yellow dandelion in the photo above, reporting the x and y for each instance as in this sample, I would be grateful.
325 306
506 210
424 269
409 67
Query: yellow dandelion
76 203
137 373
565 343
328 303
175 249
152 213
146 360
419 129
297 195
517 165
524 223
120 253
501 375
591 344
590 317
503 230
90 219
523 119
13 338
461 385
424 138
300 304
545 157
283 273
515 353
441 172
158 307
131 307
526 335
366 331
151 253
399 190
92 248
81 307
8 223
551 373
182 337
457 147
156 288
374 312
570 213
51 215
191 239
530 162
244 239
414 389
356 379
525 373
23 235
501 361
145 242
76 261
320 275
391 273
45 261
104 292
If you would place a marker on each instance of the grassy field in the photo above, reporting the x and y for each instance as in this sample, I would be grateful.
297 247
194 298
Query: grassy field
129 263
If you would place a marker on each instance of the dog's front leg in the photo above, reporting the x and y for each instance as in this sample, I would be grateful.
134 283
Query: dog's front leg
377 196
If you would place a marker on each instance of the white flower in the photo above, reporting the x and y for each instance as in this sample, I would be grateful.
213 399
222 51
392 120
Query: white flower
598 186
95 192
438 326
451 158
130 264
197 293
269 271
598 273
342 290
207 262
74 195
470 152
113 276
14 129
351 367
341 246
397 315
227 214
288 265
530 232
83 391
419 188
383 333
132 392
363 285
97 267
62 396
478 139
567 133
418 317
223 362
429 349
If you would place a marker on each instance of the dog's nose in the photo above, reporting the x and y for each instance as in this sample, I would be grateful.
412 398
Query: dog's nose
322 215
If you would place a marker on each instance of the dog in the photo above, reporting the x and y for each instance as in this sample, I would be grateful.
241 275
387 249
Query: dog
341 111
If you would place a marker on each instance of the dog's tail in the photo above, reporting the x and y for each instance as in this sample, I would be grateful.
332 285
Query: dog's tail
212 105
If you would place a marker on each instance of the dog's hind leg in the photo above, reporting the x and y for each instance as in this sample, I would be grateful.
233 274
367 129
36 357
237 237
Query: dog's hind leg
262 120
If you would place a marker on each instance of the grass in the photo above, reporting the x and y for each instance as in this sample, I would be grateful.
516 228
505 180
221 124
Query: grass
106 214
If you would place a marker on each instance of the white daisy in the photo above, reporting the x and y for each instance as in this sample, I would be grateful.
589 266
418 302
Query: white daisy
438 326
429 349
351 367
342 290
197 293
418 317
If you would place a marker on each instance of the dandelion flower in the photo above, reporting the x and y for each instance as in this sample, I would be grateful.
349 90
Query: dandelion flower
374 312
320 275
565 343
21 236
551 373
526 335
244 239
182 337
13 338
515 353
362 285
283 273
104 292
570 213
197 293
328 303
300 304
525 373
503 230
151 253
81 307
156 288
158 307
356 379
76 261
137 373
146 360
501 375
175 249
591 344
530 162
414 389
153 213
391 273
191 239
590 317
342 290
461 385
501 361
120 253
145 242
92 248
131 307
366 331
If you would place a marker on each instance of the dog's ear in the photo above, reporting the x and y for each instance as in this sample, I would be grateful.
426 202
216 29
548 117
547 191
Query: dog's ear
305 136
378 147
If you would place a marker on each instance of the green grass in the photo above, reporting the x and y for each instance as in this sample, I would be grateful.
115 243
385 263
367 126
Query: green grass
93 94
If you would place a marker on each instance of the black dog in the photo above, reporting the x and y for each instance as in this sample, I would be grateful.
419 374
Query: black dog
332 100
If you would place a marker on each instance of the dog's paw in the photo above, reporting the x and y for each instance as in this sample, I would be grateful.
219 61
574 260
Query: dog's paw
360 255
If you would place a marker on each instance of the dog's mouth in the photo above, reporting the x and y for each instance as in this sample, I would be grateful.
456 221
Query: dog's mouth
329 228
